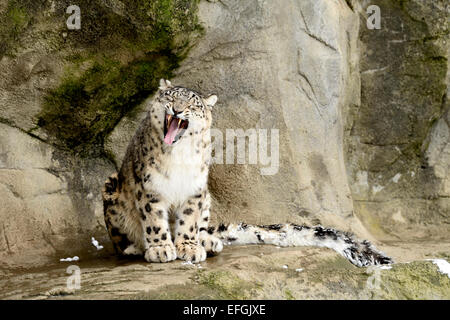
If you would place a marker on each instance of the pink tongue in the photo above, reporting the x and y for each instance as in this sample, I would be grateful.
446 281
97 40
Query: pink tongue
171 132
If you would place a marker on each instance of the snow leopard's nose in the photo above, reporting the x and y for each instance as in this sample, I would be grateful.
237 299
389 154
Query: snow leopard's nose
178 108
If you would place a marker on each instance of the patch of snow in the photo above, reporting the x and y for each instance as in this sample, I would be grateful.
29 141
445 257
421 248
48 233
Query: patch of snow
76 258
443 265
386 267
413 173
285 267
96 244
396 177
299 269
189 263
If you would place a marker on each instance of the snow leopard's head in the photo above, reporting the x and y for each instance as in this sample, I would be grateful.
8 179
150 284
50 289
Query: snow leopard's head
186 111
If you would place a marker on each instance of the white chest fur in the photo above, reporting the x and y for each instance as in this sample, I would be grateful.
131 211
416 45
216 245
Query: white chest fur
182 176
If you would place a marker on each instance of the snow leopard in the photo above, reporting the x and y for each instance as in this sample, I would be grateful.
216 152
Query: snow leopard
158 204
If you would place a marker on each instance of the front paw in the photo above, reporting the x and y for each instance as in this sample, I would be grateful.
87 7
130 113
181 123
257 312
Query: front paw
191 251
212 244
161 253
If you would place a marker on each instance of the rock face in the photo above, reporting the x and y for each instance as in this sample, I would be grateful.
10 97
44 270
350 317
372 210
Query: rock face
398 136
51 204
356 120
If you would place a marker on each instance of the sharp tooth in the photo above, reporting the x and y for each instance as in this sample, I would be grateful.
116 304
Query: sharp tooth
169 117
179 121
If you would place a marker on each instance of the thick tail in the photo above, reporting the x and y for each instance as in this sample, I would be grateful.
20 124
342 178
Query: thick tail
360 253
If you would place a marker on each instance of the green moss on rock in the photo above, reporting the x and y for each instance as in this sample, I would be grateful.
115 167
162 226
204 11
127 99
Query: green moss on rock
415 280
178 292
338 275
14 20
113 63
227 285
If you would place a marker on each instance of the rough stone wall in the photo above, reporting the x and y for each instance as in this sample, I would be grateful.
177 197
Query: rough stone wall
50 200
398 136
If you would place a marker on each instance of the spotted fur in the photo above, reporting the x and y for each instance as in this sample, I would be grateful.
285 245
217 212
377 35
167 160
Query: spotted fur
160 182
360 253
158 204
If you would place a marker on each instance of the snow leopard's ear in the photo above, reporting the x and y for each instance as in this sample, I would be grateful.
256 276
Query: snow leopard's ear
211 100
164 84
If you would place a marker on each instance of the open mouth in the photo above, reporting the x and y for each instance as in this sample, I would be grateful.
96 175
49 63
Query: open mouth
173 128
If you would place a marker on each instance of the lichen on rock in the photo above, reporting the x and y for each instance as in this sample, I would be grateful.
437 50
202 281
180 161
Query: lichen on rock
15 17
417 280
